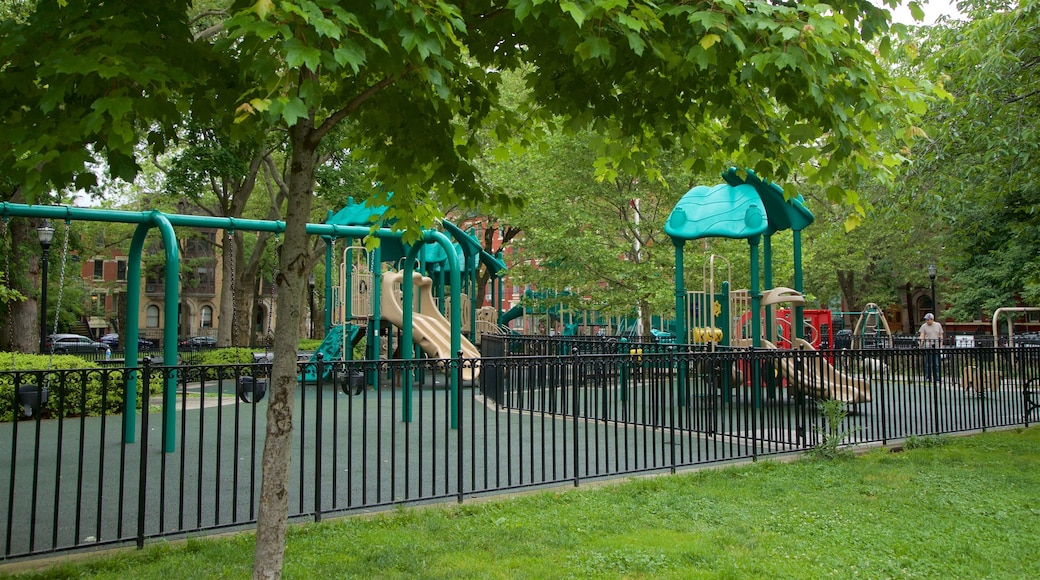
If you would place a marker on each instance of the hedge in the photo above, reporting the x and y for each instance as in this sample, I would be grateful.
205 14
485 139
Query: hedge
76 386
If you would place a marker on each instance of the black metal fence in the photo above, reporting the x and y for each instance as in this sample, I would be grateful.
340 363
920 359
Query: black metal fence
78 473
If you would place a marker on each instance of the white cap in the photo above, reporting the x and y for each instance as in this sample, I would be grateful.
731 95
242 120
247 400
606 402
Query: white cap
929 316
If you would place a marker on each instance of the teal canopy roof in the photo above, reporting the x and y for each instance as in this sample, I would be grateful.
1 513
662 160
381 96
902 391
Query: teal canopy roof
722 211
362 214
467 247
740 208
783 214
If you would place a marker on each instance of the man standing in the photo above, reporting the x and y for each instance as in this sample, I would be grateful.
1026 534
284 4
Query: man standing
931 337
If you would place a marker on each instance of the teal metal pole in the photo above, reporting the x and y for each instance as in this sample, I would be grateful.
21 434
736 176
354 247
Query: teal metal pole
407 343
681 329
756 320
133 307
172 301
455 279
799 309
767 283
172 289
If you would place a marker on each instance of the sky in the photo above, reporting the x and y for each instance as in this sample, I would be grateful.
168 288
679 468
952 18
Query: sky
932 10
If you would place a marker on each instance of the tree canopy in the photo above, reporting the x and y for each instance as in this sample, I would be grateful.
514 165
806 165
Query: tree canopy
784 88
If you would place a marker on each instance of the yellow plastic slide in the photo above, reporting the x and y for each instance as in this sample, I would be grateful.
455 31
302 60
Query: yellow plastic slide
819 378
431 332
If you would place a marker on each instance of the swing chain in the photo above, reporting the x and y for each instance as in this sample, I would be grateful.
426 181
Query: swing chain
61 276
61 291
7 281
234 305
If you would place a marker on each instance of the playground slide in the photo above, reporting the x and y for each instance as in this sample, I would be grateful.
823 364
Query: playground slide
820 378
331 349
509 315
431 332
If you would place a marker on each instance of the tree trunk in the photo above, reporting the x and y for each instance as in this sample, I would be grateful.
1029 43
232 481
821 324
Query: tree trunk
272 518
847 284
25 272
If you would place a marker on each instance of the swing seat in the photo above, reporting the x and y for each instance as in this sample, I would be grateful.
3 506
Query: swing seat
32 398
251 390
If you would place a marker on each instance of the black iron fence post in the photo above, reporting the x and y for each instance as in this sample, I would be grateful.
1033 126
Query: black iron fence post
574 414
935 400
319 394
879 392
672 401
458 362
142 480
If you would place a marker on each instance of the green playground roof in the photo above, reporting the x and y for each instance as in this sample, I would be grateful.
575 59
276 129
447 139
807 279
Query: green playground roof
783 214
468 248
740 208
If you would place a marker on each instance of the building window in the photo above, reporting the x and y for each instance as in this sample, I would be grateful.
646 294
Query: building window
99 269
151 317
206 317
97 304
121 270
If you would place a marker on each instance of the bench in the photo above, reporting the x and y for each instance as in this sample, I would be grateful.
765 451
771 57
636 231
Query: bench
1031 396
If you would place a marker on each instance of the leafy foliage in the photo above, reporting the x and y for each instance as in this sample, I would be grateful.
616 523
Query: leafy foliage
979 163
834 434
89 81
76 387
782 88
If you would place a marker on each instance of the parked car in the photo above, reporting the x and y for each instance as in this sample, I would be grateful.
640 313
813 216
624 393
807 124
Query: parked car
72 344
199 342
1027 339
112 340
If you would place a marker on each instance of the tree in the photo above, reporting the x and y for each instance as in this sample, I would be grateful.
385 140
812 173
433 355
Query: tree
600 239
781 88
978 169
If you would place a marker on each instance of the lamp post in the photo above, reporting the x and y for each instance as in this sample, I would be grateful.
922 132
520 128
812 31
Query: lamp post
310 285
932 270
45 233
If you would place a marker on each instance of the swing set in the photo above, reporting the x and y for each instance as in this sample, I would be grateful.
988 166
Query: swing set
147 220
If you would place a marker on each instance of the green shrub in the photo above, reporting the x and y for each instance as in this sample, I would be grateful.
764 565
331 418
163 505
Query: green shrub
90 391
834 413
309 344
226 356
925 441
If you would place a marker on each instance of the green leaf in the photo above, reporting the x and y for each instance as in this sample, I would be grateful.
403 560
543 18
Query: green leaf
298 55
293 110
594 47
263 8
709 40
575 11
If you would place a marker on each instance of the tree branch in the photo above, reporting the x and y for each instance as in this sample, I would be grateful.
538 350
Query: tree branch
356 102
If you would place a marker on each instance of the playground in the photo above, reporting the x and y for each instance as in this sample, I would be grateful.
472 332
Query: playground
452 400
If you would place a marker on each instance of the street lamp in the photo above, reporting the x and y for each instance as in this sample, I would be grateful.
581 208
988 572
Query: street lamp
45 233
310 284
932 270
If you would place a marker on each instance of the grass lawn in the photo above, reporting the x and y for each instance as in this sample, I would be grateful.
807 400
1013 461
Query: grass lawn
964 507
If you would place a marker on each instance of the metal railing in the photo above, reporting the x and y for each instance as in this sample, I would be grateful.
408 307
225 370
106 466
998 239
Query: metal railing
372 434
